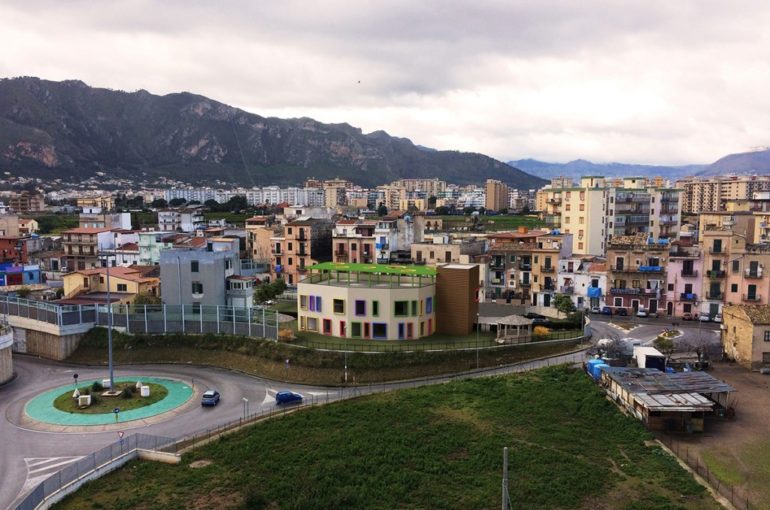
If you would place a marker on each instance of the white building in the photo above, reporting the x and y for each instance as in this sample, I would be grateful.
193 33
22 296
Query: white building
584 280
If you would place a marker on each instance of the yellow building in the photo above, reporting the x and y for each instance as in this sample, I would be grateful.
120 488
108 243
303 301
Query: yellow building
105 202
746 335
28 226
708 195
125 283
419 204
496 195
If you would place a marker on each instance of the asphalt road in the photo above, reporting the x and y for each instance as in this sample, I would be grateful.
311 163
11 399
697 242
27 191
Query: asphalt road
647 329
29 456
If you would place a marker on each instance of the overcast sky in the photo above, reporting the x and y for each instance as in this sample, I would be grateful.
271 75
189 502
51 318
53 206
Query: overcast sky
647 82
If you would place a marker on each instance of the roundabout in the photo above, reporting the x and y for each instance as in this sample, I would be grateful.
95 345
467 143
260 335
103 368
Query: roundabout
44 408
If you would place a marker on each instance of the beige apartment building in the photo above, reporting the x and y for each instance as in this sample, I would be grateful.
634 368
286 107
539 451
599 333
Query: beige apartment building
431 187
708 194
302 244
496 195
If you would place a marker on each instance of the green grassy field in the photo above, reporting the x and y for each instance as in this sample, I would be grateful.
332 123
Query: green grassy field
495 223
234 218
437 447
56 223
66 403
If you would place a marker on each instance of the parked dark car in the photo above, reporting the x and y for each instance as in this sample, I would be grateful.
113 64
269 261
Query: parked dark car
287 397
606 310
210 398
621 311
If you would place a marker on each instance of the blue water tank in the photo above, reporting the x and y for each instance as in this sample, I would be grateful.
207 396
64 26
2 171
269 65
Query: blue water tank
591 364
598 370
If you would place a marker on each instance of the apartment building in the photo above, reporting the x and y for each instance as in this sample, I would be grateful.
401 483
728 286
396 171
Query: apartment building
523 265
636 272
180 220
96 217
496 195
442 249
368 301
10 225
354 241
258 234
584 279
302 244
27 226
746 335
82 247
25 201
708 194
431 187
210 275
103 202
684 280
394 235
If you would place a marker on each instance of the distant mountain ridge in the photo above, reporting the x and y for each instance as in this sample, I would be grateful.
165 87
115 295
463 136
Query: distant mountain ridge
580 167
68 129
753 162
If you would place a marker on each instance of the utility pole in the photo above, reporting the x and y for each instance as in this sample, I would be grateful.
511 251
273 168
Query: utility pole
506 498
109 328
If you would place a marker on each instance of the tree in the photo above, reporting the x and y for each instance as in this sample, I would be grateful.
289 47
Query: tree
159 203
147 299
382 210
665 345
504 210
237 203
564 304
176 202
24 292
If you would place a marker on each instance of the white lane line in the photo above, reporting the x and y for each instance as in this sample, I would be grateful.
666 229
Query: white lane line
36 461
49 466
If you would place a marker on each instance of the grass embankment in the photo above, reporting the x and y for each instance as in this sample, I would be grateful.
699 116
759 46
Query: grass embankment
494 223
267 358
431 447
101 405
229 217
55 223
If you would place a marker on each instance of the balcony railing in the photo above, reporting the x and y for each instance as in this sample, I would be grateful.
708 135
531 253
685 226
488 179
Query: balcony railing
567 290
496 281
497 264
684 296
720 251
526 284
618 291
547 269
714 295
751 299
748 273
691 273
525 267
713 273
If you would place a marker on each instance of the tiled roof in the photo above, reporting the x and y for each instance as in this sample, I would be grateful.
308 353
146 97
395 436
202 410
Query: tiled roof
757 314
86 230
129 247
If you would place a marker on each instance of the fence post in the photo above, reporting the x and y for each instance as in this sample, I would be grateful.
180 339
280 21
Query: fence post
146 326
181 306
80 313
165 329
232 308
248 310
200 311
217 319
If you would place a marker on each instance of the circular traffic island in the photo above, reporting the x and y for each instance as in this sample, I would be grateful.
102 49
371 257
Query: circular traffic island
59 406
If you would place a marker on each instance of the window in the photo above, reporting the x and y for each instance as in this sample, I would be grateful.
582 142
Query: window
429 305
422 328
122 287
766 357
290 261
736 266
289 230
101 279
367 330
312 304
767 336
402 308
327 326
409 330
355 329
734 287
401 330
312 324
318 304
339 306
360 307
303 302
290 248
582 207
580 246
670 286
414 308
376 308
343 329
197 288
194 266
379 330
228 264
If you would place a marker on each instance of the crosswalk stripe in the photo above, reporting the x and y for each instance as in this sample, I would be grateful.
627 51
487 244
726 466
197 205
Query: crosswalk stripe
49 466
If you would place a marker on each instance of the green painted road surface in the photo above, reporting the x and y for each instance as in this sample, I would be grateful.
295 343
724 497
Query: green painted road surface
41 408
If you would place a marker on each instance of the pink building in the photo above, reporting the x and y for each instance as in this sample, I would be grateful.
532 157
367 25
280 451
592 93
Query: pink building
684 281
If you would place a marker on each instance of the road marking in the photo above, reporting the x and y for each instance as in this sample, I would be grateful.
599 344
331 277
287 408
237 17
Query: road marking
40 468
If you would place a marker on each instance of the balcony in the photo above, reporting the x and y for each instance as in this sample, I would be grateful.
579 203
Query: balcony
497 264
714 274
547 269
302 270
719 252
549 288
714 295
526 284
751 299
525 267
554 201
691 273
684 296
496 281
752 275
382 246
567 289
618 291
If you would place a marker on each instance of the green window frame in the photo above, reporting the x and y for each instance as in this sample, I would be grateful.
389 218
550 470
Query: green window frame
414 308
355 329
376 308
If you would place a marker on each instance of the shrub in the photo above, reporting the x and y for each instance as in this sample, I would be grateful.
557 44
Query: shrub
286 335
127 392
97 386
541 332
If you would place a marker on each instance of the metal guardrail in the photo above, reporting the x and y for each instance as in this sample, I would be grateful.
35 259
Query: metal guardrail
90 463
150 319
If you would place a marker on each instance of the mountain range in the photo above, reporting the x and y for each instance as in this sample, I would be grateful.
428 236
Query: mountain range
68 129
744 163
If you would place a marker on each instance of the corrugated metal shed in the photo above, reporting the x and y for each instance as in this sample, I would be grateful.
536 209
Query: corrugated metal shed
678 402
651 381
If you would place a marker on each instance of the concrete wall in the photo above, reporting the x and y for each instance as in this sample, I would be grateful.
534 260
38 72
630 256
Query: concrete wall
6 360
50 346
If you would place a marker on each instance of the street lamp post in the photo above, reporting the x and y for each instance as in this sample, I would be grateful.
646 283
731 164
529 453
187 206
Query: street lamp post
109 327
